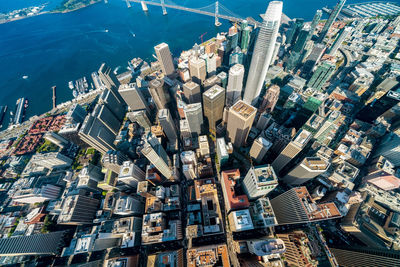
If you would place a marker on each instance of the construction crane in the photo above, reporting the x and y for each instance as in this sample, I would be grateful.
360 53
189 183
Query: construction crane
201 36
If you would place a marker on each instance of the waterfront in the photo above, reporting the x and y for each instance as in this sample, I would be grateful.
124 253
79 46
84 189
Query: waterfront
53 49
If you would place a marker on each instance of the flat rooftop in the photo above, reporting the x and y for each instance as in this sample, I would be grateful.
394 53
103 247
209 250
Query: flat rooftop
214 91
265 174
208 256
243 109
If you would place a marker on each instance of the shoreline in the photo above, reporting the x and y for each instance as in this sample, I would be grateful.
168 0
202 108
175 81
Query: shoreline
50 12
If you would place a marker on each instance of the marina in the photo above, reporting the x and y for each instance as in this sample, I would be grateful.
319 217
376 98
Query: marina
368 10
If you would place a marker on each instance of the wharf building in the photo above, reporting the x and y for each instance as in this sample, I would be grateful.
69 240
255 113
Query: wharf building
296 206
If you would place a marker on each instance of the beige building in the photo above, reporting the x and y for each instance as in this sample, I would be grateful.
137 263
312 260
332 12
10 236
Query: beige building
240 120
213 105
308 169
198 70
165 58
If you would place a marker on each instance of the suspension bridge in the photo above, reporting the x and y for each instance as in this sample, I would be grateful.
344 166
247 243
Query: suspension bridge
215 10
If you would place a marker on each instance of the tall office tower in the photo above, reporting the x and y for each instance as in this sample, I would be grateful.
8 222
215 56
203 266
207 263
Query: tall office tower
296 206
157 92
240 119
131 174
152 153
113 160
365 256
379 106
133 97
194 116
312 60
245 38
114 103
213 105
224 78
108 78
107 118
192 92
321 75
141 118
211 63
293 32
198 70
97 135
298 47
78 210
235 84
331 20
231 40
259 181
263 121
339 40
259 148
236 57
76 114
390 148
306 170
210 82
166 121
263 51
291 150
270 99
164 57
314 24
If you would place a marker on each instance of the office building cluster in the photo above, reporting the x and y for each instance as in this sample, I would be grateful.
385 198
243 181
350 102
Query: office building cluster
271 144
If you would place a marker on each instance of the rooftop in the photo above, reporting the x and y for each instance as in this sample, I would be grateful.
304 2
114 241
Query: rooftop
208 256
265 174
243 109
214 91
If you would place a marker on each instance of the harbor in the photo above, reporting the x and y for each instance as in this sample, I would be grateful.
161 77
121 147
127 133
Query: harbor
367 10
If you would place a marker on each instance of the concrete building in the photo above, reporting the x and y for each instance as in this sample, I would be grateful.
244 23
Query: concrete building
55 139
192 92
259 148
321 75
141 118
332 17
390 148
51 160
235 84
306 170
37 195
208 256
213 105
259 181
166 121
269 248
263 52
270 99
78 210
240 220
240 120
194 116
157 92
157 156
339 40
113 160
198 70
164 57
291 150
133 97
262 214
128 205
296 206
131 174
232 200
222 151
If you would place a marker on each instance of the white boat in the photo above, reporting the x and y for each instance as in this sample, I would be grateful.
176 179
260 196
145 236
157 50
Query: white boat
25 77
106 30
71 85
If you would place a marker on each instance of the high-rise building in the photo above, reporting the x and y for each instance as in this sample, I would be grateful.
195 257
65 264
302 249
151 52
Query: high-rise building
194 116
291 150
390 148
313 59
240 120
107 118
108 78
133 97
113 160
77 210
332 17
192 92
298 47
157 92
51 160
306 170
296 206
198 70
156 154
259 181
377 107
166 121
314 23
339 40
224 78
131 174
263 51
235 84
321 75
236 57
270 99
211 81
259 148
164 57
294 29
245 37
213 105
141 118
114 102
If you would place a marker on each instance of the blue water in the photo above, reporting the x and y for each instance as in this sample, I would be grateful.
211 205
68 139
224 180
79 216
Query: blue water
53 49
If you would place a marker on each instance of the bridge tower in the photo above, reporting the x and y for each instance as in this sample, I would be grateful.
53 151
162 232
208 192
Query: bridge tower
217 23
164 11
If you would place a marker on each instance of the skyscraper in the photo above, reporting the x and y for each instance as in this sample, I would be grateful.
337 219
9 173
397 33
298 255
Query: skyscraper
263 51
192 92
213 105
291 150
157 156
313 59
259 181
270 99
133 97
235 84
236 57
197 68
157 92
339 40
194 116
306 170
240 120
166 121
321 75
314 23
164 57
259 148
293 32
331 20
296 53
378 106
245 37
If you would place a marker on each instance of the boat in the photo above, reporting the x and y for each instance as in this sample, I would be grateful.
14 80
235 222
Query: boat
3 110
116 70
26 104
71 85
133 34
25 77
106 30
75 93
